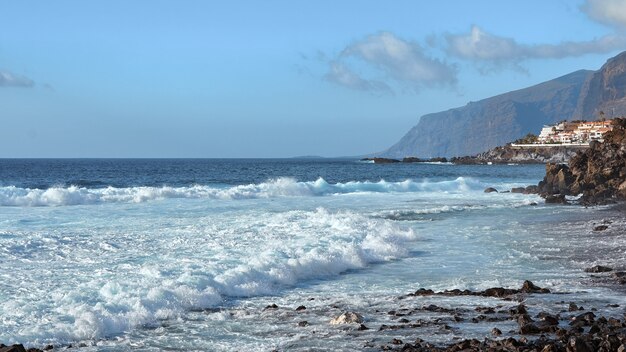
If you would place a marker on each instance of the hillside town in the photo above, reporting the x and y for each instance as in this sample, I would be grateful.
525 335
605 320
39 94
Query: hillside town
567 133
574 132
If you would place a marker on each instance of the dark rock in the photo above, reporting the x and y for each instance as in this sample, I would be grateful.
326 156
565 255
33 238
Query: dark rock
303 323
300 308
600 228
13 348
48 348
577 344
490 190
518 310
548 319
384 160
555 199
518 190
598 269
529 287
496 332
362 327
572 307
396 342
271 306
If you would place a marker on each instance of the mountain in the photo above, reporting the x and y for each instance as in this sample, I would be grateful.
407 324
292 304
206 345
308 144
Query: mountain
485 124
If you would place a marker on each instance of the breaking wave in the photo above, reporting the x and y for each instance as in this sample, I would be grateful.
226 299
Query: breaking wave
280 187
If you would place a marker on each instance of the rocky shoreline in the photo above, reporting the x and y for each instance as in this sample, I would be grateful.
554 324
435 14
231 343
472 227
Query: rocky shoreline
598 174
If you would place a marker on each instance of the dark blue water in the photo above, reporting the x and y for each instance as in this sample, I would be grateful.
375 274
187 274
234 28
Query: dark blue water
99 173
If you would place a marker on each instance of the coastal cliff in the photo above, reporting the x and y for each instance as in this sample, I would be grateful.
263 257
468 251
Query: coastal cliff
598 173
485 124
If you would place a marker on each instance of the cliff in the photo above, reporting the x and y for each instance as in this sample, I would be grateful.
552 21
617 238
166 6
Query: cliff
598 173
480 126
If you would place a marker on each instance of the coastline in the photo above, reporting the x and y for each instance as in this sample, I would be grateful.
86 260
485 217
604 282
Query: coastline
516 318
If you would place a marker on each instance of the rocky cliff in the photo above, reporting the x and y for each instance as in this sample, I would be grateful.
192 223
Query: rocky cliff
598 173
480 126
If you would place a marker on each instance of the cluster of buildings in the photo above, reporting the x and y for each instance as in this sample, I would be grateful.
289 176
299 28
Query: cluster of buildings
575 132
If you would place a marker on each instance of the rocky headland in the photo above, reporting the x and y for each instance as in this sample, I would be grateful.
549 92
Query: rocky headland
598 173
520 155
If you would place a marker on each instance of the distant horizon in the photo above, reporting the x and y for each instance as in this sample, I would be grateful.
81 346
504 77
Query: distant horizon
266 80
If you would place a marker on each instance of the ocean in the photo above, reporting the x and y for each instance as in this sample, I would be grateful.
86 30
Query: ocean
218 254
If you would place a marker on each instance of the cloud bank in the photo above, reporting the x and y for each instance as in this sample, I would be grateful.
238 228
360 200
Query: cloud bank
401 62
8 79
478 45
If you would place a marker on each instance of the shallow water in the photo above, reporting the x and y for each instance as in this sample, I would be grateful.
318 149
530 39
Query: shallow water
156 254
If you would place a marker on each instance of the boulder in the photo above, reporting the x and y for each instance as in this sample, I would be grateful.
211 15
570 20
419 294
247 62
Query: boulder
490 190
598 269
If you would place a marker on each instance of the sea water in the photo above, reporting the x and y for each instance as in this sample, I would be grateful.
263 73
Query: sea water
187 254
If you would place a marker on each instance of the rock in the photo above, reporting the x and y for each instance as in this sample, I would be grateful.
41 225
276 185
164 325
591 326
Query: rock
490 190
600 228
496 332
556 199
529 287
572 307
577 344
300 308
518 190
384 161
347 318
363 327
303 323
598 269
396 342
13 348
271 306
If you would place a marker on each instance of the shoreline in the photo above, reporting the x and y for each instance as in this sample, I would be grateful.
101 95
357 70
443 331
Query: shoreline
511 319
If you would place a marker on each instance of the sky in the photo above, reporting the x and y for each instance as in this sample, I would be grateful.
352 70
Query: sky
233 79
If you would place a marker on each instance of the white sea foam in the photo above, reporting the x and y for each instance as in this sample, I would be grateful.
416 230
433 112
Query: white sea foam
114 287
281 187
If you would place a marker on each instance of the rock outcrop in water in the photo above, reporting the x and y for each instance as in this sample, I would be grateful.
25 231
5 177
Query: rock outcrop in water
485 124
598 173
508 155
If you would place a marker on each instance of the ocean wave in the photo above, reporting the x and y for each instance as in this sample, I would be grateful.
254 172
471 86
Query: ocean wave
301 246
280 187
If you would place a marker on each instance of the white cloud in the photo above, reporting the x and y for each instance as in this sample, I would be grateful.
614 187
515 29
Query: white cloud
340 74
479 45
401 62
8 79
607 11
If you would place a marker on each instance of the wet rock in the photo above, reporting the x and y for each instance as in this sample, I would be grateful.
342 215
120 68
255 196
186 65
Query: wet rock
496 332
490 190
598 269
518 310
347 318
13 348
518 190
572 307
362 327
577 344
300 308
303 323
271 306
396 342
584 319
600 228
556 199
548 319
529 287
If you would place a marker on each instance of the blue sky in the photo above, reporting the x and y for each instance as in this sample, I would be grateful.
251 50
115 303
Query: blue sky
272 78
